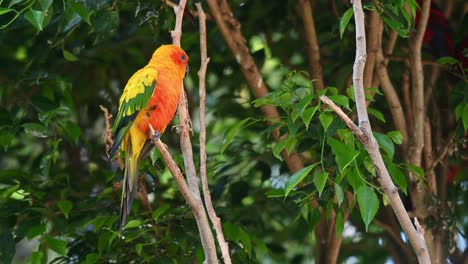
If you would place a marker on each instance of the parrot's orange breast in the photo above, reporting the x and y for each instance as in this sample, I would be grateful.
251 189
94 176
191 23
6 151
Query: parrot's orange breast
161 106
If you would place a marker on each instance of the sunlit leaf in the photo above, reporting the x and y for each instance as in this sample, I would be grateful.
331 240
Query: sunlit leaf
296 178
36 18
57 245
395 136
344 21
133 224
36 130
69 56
232 132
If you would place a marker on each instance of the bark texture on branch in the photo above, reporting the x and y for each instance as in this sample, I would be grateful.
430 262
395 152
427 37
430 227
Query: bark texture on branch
366 137
206 236
304 9
204 179
230 28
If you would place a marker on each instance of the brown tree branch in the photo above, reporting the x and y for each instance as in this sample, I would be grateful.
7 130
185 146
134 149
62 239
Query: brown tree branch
406 88
184 129
375 32
204 179
304 8
419 193
230 28
370 143
428 157
392 98
417 83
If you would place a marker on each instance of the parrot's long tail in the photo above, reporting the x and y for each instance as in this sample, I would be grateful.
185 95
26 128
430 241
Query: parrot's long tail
129 186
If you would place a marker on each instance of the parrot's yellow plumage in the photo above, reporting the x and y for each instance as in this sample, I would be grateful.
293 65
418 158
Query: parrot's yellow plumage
149 98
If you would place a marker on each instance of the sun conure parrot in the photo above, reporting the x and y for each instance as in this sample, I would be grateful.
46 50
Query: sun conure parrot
150 98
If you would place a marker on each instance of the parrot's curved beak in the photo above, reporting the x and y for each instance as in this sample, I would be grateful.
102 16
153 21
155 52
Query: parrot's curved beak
187 70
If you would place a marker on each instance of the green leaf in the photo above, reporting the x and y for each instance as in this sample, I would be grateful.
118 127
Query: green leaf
6 138
5 10
354 179
339 193
344 155
308 114
319 180
69 56
303 103
340 100
14 2
278 147
36 18
139 248
35 258
35 231
45 4
368 204
462 112
65 206
296 178
275 193
91 258
161 210
57 245
344 21
339 224
72 130
326 119
7 192
385 143
231 133
447 60
395 136
238 235
133 224
36 130
79 8
416 169
398 176
376 113
369 165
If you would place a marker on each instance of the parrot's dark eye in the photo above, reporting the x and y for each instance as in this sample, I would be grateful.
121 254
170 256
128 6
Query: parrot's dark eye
183 58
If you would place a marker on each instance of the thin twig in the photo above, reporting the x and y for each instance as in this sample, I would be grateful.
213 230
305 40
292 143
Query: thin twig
107 136
204 179
201 218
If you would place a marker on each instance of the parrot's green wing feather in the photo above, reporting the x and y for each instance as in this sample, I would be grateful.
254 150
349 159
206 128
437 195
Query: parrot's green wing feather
135 97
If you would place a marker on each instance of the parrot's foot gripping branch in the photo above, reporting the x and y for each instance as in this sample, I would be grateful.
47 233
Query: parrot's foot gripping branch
154 135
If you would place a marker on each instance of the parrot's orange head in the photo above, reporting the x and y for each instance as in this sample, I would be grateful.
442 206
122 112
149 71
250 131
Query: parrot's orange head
172 58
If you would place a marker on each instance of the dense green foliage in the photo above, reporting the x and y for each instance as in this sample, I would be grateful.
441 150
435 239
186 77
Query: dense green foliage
61 60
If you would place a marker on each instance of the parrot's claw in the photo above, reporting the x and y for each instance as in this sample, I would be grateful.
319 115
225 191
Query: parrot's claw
154 135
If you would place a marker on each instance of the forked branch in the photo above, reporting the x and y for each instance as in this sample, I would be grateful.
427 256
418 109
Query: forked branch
366 137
